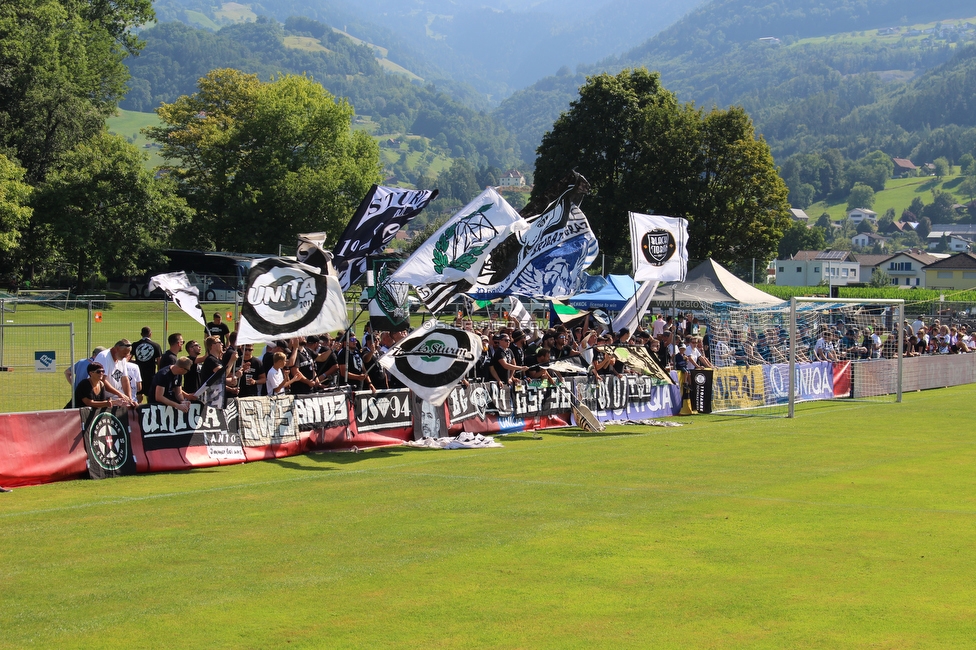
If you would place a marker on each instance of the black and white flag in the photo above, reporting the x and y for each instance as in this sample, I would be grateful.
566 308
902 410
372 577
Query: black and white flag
310 251
433 359
660 247
380 216
388 307
186 296
283 299
449 262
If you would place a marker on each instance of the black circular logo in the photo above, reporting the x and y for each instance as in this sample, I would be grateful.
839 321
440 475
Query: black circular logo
144 352
658 246
700 379
282 298
438 358
108 441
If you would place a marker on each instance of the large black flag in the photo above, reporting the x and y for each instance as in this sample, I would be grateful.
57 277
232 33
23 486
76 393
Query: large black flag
108 442
380 216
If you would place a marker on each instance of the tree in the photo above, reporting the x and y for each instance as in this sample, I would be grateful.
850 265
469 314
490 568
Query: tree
873 170
459 181
967 164
643 151
866 225
940 209
968 187
798 237
942 167
861 196
15 212
262 162
107 213
880 278
924 228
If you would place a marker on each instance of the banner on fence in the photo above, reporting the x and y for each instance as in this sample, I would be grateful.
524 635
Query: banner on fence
108 442
322 411
266 421
201 437
389 409
738 387
701 390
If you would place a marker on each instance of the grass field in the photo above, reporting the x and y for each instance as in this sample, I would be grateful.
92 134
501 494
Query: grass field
851 526
898 194
129 124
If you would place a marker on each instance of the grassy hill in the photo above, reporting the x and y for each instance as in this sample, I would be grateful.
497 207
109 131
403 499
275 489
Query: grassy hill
129 124
898 194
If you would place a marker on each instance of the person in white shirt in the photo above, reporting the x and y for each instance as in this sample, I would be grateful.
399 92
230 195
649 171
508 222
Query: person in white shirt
917 325
135 380
114 363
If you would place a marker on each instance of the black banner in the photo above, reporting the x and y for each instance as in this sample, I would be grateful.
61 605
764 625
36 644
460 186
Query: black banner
385 409
701 390
165 427
380 216
108 442
533 401
321 411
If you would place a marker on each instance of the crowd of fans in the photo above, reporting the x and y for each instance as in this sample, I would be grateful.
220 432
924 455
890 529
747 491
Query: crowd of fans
128 374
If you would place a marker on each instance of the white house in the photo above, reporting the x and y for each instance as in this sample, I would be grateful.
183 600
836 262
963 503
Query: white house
957 243
857 215
512 178
868 240
810 268
905 268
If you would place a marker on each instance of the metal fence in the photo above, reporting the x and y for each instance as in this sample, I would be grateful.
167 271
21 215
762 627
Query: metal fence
37 325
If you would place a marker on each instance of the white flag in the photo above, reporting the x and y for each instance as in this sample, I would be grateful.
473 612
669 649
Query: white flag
283 299
635 308
178 288
458 250
519 313
433 360
660 247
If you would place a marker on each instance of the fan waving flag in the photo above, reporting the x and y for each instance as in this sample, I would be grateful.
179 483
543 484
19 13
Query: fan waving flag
433 360
380 216
660 247
547 259
449 262
519 313
178 288
283 299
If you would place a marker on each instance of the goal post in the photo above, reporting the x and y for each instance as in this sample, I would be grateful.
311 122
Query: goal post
894 328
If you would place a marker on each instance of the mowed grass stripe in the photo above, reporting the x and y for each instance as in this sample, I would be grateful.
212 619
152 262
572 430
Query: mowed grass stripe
728 532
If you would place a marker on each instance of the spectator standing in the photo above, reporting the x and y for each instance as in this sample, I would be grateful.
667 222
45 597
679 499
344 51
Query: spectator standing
79 371
166 387
135 380
146 354
192 379
113 361
93 391
217 328
252 373
169 357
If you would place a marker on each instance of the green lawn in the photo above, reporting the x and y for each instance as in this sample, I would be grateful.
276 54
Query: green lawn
130 124
898 194
852 526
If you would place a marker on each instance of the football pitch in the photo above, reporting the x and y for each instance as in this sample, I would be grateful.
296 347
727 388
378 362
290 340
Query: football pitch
851 526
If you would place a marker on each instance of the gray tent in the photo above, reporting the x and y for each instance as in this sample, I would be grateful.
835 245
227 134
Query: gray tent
710 283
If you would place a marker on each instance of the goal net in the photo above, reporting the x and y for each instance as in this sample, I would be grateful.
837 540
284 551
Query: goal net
769 359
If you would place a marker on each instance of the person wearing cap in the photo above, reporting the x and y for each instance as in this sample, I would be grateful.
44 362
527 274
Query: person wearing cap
114 363
217 328
352 370
78 373
682 362
167 386
92 391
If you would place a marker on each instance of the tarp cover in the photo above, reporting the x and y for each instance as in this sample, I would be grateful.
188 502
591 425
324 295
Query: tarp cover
618 290
710 283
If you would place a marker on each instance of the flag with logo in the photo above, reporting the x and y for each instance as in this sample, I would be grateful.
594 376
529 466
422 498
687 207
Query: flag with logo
388 307
660 247
186 296
376 222
449 262
546 260
284 299
433 360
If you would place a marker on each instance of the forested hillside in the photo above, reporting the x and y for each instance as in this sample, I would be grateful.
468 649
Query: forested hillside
819 86
177 55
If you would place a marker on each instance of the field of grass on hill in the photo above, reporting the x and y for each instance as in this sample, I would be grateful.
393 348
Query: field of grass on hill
873 35
898 194
851 526
129 124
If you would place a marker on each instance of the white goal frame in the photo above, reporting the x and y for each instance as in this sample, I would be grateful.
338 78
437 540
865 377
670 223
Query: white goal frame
897 305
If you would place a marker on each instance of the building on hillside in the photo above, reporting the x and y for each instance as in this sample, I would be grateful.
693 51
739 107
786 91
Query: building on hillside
904 167
769 40
799 215
810 268
512 178
869 240
857 215
965 234
867 263
897 226
906 268
954 273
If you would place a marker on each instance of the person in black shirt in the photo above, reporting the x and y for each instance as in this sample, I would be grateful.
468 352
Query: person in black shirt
166 386
326 365
218 329
169 357
252 373
306 379
503 366
212 364
146 354
92 391
193 381
352 370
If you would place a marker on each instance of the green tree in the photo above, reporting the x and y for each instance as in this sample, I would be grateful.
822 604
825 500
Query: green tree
967 164
107 213
15 212
880 278
798 237
942 167
643 151
873 170
459 181
262 162
968 187
861 196
940 209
